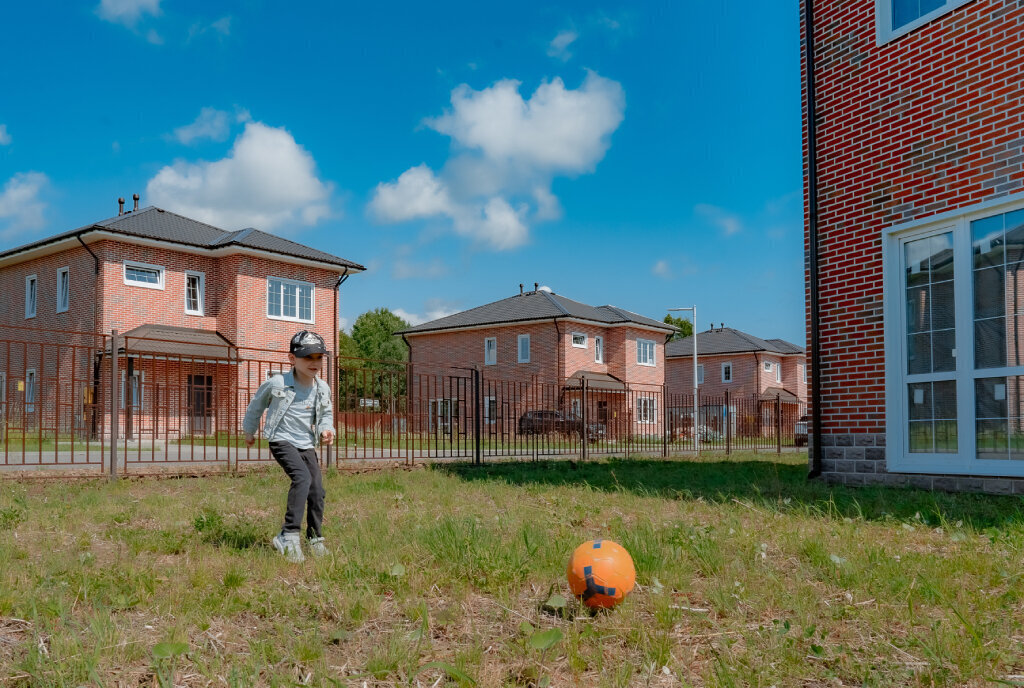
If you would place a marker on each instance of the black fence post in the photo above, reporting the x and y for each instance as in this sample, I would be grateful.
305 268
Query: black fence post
114 419
585 429
478 426
664 423
728 425
778 424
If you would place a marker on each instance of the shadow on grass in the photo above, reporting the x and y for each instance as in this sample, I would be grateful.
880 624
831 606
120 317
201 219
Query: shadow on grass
765 484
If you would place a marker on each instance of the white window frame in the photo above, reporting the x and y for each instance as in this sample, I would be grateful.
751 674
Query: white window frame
30 390
598 349
519 348
727 366
583 344
493 359
298 283
884 31
161 271
767 366
648 416
31 296
63 280
700 373
140 380
802 372
490 419
778 373
964 461
202 292
641 345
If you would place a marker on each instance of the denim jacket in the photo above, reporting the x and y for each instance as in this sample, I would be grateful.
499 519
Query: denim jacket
277 393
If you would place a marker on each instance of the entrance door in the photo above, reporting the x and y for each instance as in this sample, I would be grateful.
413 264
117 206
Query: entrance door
200 404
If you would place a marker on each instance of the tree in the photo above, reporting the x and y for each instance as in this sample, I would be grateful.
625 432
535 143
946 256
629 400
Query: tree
684 325
374 370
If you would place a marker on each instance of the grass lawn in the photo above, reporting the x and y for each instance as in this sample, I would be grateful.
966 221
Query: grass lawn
747 573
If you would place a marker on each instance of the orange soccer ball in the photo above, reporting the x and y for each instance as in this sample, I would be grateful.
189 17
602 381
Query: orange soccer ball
601 572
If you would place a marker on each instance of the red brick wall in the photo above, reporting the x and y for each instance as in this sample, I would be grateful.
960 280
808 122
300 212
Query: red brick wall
928 122
437 353
83 293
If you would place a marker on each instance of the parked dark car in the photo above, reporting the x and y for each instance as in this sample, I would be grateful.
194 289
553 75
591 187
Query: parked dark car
540 422
800 432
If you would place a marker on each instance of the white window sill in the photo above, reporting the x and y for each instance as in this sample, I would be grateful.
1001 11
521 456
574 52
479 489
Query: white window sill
281 317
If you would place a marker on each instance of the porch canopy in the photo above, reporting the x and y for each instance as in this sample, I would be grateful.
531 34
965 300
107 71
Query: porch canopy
601 382
785 396
184 343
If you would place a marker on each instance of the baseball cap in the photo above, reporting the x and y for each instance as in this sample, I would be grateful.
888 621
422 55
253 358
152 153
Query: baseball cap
306 343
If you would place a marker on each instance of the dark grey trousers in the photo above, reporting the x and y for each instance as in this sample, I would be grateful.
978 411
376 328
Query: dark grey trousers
307 490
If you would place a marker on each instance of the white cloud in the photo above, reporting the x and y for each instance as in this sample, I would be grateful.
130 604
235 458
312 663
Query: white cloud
266 181
221 27
153 37
127 12
728 224
435 308
433 269
210 124
559 45
661 269
411 318
506 151
20 206
5 138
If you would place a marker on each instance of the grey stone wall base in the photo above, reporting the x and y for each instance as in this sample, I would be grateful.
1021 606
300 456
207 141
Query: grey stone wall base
858 460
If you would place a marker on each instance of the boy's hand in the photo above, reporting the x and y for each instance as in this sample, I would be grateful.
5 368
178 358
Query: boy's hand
250 439
327 436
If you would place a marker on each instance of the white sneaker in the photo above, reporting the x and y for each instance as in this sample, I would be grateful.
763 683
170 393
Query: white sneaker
290 546
317 547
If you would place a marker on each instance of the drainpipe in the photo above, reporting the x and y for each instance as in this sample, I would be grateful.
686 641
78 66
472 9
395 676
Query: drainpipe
812 227
333 384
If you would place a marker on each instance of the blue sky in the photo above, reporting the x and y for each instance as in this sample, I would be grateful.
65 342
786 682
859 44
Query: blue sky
645 155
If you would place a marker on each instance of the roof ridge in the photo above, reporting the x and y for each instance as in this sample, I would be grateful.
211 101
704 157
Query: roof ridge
551 298
744 335
618 312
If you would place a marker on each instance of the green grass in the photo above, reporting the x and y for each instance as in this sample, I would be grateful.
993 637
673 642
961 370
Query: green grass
15 439
748 575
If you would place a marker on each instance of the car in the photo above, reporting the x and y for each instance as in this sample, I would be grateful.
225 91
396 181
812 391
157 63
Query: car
545 421
800 432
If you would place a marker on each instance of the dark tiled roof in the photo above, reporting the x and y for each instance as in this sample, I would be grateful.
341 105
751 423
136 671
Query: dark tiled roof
185 342
534 305
726 340
163 225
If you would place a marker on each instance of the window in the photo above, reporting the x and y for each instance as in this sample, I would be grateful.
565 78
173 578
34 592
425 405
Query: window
30 390
579 340
898 17
289 300
490 350
143 275
138 377
598 349
490 410
801 371
523 346
727 372
767 366
954 352
195 293
778 372
30 296
63 289
646 410
576 408
645 352
700 374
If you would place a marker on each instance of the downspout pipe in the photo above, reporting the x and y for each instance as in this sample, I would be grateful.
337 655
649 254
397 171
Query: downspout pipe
814 447
333 384
96 260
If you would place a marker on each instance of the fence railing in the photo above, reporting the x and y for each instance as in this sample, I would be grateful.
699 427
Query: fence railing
107 403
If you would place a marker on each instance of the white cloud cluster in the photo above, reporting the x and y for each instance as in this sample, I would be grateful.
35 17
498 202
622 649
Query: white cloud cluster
406 269
435 308
5 138
661 268
727 223
559 45
506 151
210 124
21 208
266 181
127 12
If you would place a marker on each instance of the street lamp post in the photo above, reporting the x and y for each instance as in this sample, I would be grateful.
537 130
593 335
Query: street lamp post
696 439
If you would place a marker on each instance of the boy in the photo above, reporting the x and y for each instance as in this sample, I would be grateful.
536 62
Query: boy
300 414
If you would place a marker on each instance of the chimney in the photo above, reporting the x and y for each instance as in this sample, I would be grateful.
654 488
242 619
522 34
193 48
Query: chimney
135 197
536 285
520 288
120 206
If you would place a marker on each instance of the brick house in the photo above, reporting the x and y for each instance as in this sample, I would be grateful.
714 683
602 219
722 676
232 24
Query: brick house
915 233
540 350
196 306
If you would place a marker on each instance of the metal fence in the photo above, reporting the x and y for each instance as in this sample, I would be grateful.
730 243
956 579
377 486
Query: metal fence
80 402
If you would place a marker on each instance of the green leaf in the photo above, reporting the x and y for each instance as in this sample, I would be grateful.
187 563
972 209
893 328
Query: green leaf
556 601
544 682
397 571
809 631
168 650
545 640
526 628
818 650
452 671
